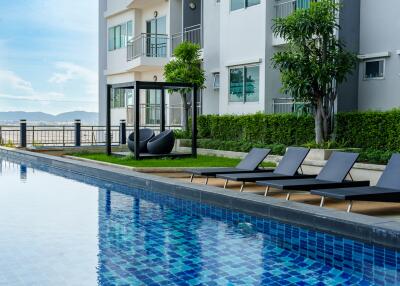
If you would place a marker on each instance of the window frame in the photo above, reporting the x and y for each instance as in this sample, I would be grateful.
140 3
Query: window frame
124 36
244 68
245 5
374 60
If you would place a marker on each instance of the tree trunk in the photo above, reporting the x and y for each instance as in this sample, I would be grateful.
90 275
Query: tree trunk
319 133
185 115
326 128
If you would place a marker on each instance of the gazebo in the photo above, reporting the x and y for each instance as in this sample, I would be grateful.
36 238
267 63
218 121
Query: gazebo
137 86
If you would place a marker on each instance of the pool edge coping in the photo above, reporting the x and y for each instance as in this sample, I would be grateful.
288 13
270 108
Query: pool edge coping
380 231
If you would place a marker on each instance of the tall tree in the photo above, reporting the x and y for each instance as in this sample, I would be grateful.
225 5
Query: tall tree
315 61
186 67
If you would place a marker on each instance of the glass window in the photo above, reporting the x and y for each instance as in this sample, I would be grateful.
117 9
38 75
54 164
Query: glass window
129 96
236 83
153 105
237 4
129 30
252 83
123 36
111 39
118 98
244 84
118 37
250 3
240 4
374 69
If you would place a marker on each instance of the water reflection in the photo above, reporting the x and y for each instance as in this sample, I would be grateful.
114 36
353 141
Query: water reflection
23 173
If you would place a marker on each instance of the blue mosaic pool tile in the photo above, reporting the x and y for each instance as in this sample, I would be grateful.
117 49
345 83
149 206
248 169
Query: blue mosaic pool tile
146 238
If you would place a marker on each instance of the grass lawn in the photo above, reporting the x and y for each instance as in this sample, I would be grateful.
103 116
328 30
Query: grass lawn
201 161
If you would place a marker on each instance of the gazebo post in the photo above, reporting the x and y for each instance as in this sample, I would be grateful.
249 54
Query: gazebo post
108 120
137 120
162 110
194 121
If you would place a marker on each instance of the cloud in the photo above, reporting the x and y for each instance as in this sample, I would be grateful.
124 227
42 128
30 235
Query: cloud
9 78
68 72
14 87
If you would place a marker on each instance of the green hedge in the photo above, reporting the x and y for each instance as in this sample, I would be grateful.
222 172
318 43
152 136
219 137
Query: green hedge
369 130
286 129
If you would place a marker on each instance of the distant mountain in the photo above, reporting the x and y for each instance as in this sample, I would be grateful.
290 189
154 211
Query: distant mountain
41 117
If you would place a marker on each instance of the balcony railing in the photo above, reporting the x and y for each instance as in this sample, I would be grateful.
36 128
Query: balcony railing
289 105
191 34
284 8
148 45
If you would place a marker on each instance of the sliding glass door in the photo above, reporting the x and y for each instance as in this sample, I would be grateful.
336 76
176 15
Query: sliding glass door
156 38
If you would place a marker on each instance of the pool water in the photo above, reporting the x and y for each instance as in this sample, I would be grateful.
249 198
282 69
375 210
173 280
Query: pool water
66 229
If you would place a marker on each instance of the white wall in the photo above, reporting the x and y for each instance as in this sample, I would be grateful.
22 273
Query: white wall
117 59
211 53
242 40
380 28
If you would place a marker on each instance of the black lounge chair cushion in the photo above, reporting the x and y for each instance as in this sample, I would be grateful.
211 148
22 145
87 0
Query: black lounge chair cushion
249 164
332 175
253 177
286 169
212 172
386 190
309 184
375 194
253 159
163 143
338 166
291 161
144 136
390 178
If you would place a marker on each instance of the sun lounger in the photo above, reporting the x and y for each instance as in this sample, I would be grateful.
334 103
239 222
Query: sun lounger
332 175
249 164
288 168
386 190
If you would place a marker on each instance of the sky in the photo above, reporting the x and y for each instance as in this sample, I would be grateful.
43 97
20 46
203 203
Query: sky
48 55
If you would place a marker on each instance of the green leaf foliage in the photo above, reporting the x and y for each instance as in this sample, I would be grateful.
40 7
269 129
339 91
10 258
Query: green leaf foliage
185 67
370 130
314 57
286 129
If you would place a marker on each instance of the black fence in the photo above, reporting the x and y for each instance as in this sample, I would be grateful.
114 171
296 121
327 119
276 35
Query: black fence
25 135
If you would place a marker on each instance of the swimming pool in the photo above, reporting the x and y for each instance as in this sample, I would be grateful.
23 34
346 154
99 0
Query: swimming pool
60 228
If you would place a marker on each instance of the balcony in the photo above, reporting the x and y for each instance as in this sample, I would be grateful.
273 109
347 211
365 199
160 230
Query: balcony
147 52
191 34
284 8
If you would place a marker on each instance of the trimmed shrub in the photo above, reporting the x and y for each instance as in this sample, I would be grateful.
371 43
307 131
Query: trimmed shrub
286 129
369 130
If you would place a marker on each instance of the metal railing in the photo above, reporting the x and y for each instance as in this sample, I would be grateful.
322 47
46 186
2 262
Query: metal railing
9 134
284 8
65 136
148 45
290 105
191 34
150 114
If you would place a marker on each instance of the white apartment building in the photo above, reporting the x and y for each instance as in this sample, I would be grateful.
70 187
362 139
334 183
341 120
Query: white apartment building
137 38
